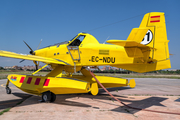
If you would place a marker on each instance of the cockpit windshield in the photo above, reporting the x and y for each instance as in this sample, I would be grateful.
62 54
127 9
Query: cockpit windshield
77 41
73 38
61 43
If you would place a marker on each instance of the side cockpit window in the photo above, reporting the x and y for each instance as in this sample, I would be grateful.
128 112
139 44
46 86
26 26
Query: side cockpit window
77 41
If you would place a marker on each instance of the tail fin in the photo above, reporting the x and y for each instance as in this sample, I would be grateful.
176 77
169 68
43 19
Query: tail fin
151 41
156 36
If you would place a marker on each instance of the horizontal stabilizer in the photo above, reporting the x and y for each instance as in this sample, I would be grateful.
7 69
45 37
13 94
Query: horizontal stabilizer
127 43
137 34
134 40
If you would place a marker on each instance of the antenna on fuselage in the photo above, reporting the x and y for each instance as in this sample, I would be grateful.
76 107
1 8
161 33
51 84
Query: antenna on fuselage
106 39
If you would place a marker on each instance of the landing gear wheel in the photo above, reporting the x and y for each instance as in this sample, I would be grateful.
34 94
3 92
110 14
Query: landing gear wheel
8 90
46 96
53 97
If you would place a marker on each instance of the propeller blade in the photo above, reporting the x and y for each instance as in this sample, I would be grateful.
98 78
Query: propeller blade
28 45
31 52
22 61
39 44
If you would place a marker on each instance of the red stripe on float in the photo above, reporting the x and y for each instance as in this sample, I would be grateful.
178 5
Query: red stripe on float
37 81
22 80
46 82
29 80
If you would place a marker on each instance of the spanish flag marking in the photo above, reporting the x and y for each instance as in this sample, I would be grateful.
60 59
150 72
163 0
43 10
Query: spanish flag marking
155 19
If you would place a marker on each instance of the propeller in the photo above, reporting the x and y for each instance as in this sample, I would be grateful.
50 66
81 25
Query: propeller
32 53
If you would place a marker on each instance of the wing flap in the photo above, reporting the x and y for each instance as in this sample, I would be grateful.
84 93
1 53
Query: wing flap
32 57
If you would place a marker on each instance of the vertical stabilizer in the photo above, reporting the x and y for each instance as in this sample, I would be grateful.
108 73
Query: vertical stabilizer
156 36
152 33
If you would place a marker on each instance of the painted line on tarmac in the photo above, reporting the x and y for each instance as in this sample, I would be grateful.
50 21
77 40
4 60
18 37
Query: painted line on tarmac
4 85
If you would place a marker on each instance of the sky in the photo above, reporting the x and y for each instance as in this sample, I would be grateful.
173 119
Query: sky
56 21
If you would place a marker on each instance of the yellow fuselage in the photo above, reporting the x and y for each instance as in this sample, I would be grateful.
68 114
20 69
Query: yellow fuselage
89 54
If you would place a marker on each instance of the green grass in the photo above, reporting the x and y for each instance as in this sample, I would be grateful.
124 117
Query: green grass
136 75
5 73
6 110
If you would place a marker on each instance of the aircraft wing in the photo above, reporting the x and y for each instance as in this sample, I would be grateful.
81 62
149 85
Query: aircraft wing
32 57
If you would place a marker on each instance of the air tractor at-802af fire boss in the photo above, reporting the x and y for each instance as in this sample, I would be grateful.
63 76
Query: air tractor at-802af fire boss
146 49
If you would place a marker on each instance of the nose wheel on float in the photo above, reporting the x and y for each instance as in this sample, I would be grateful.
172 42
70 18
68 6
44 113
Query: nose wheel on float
8 90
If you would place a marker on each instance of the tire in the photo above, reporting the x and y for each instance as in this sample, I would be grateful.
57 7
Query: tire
53 97
8 90
46 96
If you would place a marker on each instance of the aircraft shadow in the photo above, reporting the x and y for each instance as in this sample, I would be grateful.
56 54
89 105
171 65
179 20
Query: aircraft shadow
11 103
177 100
63 100
116 89
142 104
22 95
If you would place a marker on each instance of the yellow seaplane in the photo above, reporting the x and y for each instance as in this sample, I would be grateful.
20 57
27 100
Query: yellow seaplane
146 49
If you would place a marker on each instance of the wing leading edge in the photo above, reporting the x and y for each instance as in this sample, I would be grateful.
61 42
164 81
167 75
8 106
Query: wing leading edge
32 57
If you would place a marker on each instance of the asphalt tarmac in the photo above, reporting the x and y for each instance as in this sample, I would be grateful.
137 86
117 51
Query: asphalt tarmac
11 100
150 93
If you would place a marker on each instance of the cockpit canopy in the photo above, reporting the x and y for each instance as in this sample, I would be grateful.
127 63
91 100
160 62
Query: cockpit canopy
83 38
